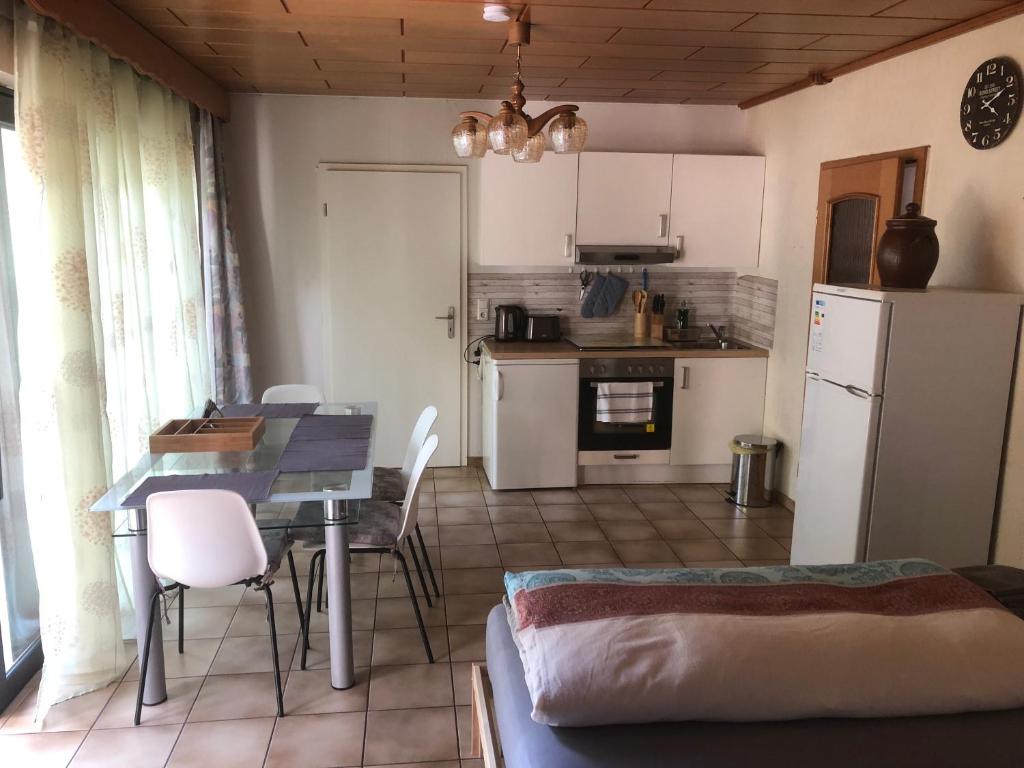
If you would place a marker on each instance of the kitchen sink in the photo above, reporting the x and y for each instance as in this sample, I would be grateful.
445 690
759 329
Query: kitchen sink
709 344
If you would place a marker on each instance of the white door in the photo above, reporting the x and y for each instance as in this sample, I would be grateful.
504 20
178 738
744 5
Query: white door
848 341
392 247
715 399
537 200
716 210
836 474
624 198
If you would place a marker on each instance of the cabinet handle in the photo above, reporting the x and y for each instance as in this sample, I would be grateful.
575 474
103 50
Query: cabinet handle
679 247
663 225
626 455
568 247
499 385
686 378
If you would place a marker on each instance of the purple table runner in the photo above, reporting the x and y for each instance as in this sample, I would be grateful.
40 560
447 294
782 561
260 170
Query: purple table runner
252 486
327 443
270 410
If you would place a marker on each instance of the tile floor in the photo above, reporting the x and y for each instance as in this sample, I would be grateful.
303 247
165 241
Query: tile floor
402 712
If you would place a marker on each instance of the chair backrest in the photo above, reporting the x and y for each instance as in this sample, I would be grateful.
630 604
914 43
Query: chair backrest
293 393
411 505
416 440
203 538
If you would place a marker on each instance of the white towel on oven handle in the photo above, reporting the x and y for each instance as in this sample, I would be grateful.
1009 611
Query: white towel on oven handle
625 402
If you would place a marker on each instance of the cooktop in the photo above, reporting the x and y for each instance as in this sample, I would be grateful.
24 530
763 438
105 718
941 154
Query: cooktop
603 343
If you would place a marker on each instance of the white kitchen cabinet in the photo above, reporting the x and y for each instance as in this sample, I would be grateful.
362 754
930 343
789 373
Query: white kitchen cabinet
624 198
715 399
528 210
529 422
716 210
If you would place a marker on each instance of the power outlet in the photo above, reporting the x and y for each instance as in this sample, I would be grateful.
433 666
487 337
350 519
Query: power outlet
481 309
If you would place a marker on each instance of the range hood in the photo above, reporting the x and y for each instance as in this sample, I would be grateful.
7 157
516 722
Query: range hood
625 255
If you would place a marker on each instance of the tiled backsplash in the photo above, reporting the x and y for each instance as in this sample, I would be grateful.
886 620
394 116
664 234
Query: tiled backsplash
745 305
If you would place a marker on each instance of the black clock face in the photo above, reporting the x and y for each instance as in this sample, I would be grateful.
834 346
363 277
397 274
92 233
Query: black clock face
991 103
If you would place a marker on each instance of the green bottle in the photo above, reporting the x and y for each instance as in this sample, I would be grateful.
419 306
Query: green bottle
683 317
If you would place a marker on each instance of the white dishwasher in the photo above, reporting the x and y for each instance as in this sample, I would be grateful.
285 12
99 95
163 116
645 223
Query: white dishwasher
529 422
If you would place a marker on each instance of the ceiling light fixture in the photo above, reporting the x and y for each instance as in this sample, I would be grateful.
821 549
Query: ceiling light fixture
512 131
497 12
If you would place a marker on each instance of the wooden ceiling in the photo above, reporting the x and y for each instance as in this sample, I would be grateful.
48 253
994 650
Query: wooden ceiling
661 51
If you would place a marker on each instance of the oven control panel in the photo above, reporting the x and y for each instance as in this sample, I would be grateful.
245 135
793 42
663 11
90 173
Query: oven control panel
627 368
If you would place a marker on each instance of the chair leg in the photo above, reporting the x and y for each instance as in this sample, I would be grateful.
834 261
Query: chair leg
320 589
426 560
273 648
298 599
419 571
144 664
415 606
181 619
313 565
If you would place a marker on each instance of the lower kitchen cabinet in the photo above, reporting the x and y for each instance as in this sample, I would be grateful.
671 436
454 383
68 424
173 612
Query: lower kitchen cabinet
715 399
529 422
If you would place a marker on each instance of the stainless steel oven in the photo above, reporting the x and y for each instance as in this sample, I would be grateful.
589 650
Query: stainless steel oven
642 438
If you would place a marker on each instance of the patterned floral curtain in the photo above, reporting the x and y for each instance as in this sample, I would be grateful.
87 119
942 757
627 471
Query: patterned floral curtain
111 335
225 310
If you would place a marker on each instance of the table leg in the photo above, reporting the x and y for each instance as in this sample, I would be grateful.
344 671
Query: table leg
339 598
144 584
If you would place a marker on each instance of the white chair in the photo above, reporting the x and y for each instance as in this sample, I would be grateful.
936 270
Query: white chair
382 529
293 393
209 538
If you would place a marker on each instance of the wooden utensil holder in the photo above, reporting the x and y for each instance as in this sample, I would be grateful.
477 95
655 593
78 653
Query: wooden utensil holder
657 326
242 433
639 325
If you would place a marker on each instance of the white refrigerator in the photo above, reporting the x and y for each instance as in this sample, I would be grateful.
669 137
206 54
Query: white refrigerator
905 408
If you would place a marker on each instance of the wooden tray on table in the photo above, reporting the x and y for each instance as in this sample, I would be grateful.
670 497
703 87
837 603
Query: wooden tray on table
193 435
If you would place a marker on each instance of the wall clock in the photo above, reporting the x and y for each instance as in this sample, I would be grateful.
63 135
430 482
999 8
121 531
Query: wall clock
991 103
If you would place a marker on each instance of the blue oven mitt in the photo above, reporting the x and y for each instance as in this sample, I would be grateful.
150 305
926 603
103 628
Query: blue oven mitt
607 301
596 285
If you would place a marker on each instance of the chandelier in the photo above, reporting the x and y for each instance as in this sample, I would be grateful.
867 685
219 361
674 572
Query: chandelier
512 131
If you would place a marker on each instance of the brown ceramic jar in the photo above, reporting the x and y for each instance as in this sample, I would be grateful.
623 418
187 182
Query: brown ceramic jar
908 250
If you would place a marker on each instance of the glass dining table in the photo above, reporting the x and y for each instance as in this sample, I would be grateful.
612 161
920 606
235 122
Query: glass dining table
339 491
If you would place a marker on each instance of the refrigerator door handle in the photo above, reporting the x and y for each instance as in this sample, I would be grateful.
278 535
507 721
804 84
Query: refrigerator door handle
857 392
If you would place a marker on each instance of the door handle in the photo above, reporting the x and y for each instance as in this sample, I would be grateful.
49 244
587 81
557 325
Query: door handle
568 247
450 317
857 392
499 385
663 225
686 378
626 455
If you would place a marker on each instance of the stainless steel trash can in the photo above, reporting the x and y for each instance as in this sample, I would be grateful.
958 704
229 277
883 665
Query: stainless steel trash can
752 455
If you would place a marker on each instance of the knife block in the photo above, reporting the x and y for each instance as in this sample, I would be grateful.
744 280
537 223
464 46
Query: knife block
657 326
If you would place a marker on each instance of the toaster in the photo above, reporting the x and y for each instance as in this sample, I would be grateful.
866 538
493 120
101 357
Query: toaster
543 328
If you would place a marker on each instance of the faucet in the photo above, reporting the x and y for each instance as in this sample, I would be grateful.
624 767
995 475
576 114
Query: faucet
719 336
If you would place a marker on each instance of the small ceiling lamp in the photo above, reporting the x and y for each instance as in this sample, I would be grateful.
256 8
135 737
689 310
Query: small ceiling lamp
512 131
497 12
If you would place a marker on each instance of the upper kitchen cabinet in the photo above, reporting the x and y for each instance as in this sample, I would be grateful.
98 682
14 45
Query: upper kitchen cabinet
624 198
528 210
716 210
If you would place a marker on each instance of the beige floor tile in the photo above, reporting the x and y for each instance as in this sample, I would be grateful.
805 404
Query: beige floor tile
39 750
479 556
410 735
462 471
459 499
319 654
365 563
362 616
463 516
213 598
251 620
242 655
756 549
575 532
463 682
639 493
701 551
786 543
200 622
620 510
447 484
714 510
232 697
579 552
556 496
427 499
137 747
224 744
507 498
695 492
395 612
426 515
474 763
758 563
736 528
473 581
310 692
776 527
515 514
194 662
644 552
467 643
565 513
364 586
411 686
666 510
629 530
520 533
441 764
602 494
464 723
773 512
463 535
391 582
317 741
393 647
120 710
656 566
725 563
528 554
430 536
470 609
683 529
77 714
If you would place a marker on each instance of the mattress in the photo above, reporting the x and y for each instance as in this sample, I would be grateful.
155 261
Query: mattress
989 739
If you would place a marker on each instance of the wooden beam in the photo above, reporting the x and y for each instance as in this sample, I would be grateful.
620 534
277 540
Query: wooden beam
939 36
122 37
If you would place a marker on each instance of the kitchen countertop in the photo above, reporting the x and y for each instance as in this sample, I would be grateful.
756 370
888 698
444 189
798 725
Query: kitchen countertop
564 350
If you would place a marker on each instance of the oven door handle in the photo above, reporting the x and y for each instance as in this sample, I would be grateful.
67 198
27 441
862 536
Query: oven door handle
656 384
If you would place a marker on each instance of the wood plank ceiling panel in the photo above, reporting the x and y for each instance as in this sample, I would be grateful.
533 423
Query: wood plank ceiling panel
657 51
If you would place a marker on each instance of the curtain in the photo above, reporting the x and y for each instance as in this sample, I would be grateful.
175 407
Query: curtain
225 310
110 333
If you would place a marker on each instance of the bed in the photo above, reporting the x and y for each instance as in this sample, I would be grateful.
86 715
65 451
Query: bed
505 734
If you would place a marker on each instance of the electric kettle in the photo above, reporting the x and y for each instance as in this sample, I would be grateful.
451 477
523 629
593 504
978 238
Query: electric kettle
509 323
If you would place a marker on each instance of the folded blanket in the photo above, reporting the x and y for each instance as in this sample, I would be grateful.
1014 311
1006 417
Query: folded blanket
883 639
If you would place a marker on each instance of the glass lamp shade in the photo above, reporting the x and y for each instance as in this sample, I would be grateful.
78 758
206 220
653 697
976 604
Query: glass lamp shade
568 133
532 151
507 131
469 138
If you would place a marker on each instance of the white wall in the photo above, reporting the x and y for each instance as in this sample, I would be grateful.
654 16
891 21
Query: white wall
976 196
